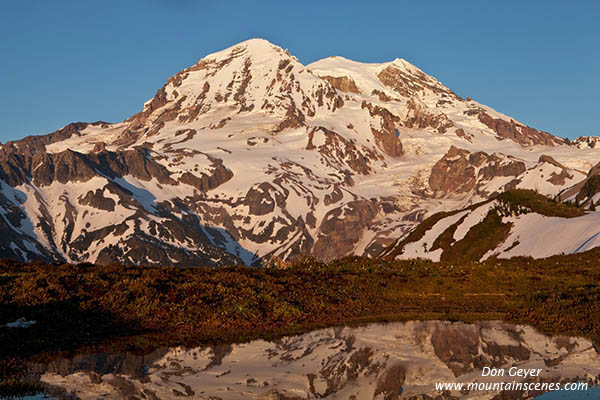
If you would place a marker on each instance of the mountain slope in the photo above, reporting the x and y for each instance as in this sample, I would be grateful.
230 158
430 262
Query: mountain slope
249 156
515 223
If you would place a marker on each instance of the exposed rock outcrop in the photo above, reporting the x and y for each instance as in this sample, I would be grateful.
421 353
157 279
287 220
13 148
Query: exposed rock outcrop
386 135
517 132
342 228
461 171
343 83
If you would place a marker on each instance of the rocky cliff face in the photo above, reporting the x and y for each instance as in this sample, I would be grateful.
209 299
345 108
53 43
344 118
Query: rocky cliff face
460 171
249 156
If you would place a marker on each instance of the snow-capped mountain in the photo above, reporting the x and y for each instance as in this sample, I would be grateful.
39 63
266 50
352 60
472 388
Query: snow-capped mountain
250 156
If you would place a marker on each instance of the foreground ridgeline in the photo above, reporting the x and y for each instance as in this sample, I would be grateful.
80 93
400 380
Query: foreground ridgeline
79 306
514 223
249 156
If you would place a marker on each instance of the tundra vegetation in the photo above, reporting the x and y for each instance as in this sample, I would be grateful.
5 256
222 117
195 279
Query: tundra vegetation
132 308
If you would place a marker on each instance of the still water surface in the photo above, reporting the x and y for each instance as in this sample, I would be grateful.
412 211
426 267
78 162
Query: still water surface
378 361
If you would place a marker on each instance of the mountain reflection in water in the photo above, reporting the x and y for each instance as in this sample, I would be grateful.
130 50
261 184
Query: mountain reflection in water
378 361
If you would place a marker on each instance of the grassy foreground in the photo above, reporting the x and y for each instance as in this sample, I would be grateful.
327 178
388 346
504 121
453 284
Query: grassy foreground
79 306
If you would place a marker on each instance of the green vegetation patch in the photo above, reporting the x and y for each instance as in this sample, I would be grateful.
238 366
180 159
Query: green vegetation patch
417 234
519 201
590 187
570 311
446 239
481 238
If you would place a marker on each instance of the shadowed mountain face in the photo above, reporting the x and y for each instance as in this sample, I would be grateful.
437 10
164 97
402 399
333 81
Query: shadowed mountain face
249 157
371 362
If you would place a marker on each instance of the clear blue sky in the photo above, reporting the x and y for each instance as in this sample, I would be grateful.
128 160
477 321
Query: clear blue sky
84 60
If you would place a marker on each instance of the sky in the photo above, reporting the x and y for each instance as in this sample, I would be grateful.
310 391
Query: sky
63 61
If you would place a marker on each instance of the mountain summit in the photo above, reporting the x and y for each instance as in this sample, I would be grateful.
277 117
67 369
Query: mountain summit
248 156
